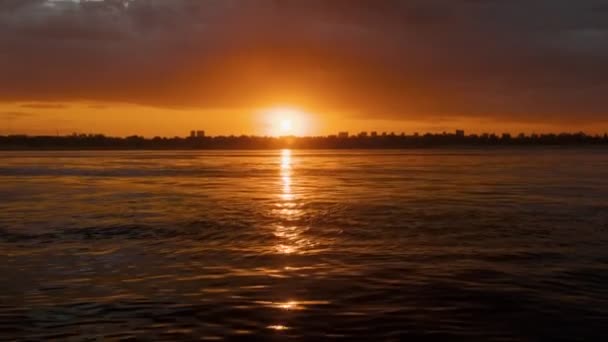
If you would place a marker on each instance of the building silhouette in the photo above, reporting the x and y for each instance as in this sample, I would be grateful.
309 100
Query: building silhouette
197 134
198 140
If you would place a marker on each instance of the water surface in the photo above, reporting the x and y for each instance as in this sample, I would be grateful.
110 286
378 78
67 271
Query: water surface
501 244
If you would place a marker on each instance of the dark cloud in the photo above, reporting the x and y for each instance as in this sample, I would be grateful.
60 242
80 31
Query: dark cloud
535 60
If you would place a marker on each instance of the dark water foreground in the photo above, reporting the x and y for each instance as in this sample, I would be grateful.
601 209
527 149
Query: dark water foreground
444 244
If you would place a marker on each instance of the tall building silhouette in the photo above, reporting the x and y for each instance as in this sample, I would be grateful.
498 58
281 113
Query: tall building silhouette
197 134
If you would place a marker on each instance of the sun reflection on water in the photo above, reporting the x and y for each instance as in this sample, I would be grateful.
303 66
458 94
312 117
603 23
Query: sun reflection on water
286 194
286 159
278 327
287 211
290 228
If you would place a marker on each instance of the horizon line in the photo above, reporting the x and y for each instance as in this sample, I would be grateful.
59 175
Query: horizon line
343 134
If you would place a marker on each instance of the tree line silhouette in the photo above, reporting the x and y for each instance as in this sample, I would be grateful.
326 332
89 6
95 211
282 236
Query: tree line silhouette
361 141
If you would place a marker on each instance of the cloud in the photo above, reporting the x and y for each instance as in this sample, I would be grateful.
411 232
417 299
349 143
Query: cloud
45 105
15 115
537 60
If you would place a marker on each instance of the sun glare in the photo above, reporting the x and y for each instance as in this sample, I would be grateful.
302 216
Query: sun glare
283 121
286 126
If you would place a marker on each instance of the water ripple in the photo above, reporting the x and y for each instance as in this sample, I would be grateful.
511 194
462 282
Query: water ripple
505 245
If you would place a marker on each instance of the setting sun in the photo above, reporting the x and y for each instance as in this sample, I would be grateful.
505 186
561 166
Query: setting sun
281 121
286 126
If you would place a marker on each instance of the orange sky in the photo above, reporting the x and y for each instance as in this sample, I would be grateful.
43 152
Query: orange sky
126 119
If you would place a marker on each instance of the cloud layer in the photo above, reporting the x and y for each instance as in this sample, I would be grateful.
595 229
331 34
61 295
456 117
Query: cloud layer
533 60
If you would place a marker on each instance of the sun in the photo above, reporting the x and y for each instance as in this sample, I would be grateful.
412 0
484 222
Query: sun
284 121
286 125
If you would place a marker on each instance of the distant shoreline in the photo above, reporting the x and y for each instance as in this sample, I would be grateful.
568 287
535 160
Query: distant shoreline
361 141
